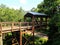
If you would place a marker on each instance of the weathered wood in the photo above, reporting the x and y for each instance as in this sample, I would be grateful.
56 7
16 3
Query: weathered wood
33 28
12 33
1 40
20 35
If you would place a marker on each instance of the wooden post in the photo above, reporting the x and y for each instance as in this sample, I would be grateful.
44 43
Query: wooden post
12 32
20 35
24 19
46 23
1 40
12 27
33 28
40 23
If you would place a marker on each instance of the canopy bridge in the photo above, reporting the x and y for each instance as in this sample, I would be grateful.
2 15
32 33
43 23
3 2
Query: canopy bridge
38 21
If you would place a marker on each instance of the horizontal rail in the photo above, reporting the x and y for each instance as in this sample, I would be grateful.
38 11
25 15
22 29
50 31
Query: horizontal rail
17 23
14 26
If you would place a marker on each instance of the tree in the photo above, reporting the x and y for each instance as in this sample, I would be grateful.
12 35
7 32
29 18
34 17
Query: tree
50 8
10 15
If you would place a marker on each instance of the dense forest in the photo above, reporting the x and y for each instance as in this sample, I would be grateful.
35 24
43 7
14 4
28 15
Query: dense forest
49 7
10 15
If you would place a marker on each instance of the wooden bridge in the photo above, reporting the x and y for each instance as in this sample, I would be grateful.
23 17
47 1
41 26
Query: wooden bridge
38 21
22 27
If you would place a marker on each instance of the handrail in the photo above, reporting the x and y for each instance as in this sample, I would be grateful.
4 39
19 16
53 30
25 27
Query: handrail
9 23
22 23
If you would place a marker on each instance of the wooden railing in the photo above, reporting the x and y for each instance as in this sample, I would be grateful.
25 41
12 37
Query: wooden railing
13 26
15 23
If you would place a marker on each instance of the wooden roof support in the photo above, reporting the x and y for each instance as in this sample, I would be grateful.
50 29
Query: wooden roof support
33 28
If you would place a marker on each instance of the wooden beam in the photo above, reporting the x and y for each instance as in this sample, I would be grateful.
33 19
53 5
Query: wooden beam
12 27
46 22
1 40
25 19
20 35
12 24
33 28
41 19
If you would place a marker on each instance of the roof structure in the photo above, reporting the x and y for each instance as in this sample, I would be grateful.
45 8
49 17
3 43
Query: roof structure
30 14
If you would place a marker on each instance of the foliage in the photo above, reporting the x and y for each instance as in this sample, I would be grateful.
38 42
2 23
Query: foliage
10 15
37 40
50 7
8 39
